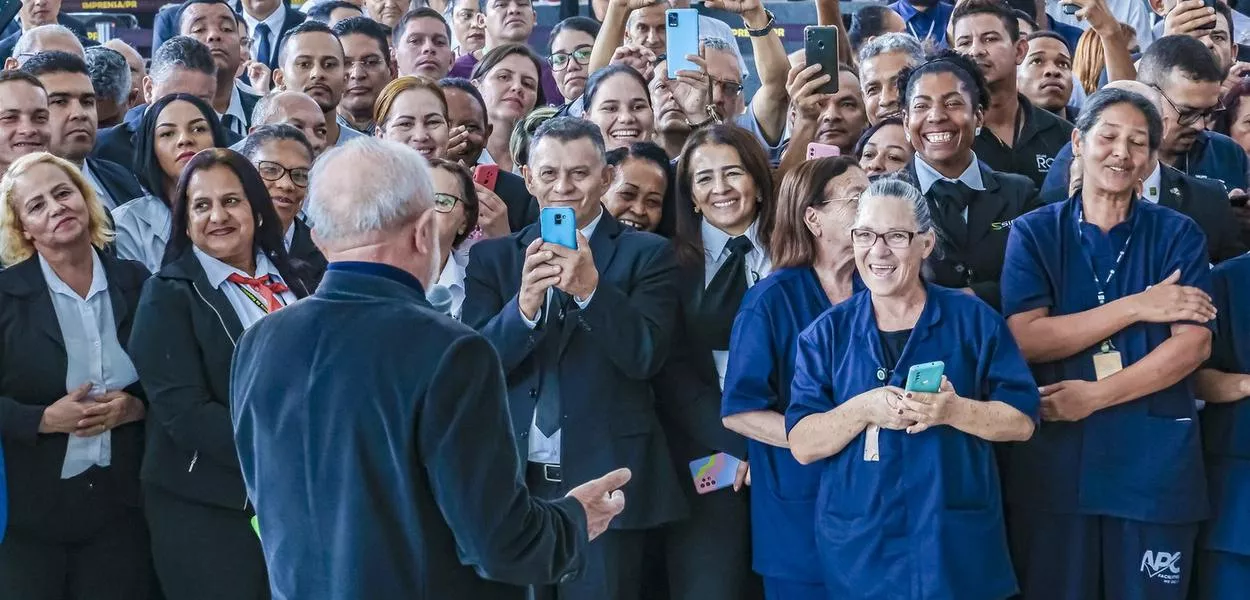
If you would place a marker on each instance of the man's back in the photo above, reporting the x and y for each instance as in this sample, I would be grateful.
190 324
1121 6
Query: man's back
376 446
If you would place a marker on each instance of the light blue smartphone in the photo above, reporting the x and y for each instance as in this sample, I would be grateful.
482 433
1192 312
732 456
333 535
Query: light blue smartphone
926 377
559 226
681 27
713 472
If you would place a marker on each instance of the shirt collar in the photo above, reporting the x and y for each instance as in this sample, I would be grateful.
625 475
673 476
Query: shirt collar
218 271
289 237
927 175
99 281
714 240
154 212
453 272
1150 191
236 104
275 21
589 229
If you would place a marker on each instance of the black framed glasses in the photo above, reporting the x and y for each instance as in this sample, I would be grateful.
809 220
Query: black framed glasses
272 171
895 238
445 203
560 60
1189 116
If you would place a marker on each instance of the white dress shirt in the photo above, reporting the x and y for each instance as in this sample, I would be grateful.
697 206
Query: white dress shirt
246 309
142 227
288 238
971 177
1150 191
92 355
545 449
715 253
275 21
452 278
236 110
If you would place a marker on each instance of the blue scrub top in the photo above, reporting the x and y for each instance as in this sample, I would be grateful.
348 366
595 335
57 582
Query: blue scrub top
1226 427
783 492
926 521
1139 460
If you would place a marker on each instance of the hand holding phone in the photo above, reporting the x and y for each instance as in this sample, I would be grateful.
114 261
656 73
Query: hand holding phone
820 46
681 29
715 472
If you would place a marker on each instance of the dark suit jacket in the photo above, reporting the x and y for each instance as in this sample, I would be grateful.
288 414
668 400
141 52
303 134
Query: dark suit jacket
10 42
522 207
184 335
118 181
117 143
303 250
165 26
608 354
979 263
33 365
413 453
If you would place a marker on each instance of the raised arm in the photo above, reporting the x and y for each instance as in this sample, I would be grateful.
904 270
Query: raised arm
771 102
612 31
829 12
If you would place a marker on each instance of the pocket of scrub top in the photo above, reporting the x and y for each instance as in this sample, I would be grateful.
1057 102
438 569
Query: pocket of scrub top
968 475
972 559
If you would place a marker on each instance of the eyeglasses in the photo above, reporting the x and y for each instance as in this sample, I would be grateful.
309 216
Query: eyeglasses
560 60
368 63
727 87
849 200
897 238
445 203
272 171
1189 116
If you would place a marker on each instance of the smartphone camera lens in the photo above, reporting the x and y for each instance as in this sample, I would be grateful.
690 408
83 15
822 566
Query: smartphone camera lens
672 19
559 219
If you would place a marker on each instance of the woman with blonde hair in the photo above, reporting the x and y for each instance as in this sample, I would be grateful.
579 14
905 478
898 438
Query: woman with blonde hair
71 409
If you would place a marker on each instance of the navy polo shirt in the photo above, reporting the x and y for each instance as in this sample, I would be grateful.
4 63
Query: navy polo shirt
1139 460
931 23
1042 134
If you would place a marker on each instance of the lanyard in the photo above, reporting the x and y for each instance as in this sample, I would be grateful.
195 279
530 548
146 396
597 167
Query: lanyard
1106 345
257 301
916 34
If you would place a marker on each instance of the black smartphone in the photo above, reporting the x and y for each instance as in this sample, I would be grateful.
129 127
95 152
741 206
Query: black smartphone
1211 5
820 46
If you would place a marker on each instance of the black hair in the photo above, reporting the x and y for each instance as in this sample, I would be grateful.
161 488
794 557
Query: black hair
322 10
181 52
652 153
146 165
1222 8
472 204
7 75
1046 33
272 133
305 27
467 87
947 61
598 77
423 12
367 27
996 8
55 61
1181 52
867 22
585 25
1105 98
182 9
496 55
871 131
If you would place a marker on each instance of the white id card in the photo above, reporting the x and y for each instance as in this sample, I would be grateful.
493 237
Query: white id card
1107 364
872 444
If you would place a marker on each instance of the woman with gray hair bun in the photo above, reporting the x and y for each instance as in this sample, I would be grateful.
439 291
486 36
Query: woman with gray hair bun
1108 296
898 394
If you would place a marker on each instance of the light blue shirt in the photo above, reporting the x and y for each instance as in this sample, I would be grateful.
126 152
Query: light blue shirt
143 227
971 177
244 308
346 132
715 254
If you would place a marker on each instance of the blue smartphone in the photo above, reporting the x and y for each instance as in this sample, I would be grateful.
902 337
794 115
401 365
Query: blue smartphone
713 472
559 226
681 28
926 377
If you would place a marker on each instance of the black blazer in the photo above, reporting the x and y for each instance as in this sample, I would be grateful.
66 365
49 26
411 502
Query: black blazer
307 255
10 42
165 26
979 263
117 143
607 355
522 207
33 365
184 336
118 181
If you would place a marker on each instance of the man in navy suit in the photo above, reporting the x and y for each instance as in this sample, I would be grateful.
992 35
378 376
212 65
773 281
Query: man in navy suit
36 13
411 490
277 16
581 332
215 25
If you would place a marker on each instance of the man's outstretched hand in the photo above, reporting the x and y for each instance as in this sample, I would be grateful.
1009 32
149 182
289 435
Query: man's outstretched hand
602 500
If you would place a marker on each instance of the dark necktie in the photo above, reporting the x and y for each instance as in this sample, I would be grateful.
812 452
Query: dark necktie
712 319
260 35
547 410
950 199
233 124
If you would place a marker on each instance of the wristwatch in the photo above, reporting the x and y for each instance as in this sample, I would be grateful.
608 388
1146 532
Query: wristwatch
762 31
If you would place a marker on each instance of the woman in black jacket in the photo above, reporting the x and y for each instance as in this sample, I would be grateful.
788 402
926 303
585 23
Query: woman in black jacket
71 409
225 268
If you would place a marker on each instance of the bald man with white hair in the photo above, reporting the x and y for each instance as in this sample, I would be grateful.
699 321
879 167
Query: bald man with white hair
293 108
410 407
44 38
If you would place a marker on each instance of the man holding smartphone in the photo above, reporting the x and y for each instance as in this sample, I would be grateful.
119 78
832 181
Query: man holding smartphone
581 333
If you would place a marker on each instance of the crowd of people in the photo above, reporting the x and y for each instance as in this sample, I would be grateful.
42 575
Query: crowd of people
278 318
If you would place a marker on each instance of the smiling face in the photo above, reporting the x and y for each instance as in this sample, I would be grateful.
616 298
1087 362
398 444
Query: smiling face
1115 151
286 156
368 71
181 132
424 49
72 114
983 38
571 77
24 121
571 174
842 116
215 26
636 198
470 28
942 119
219 216
879 81
890 266
463 110
887 151
417 119
51 210
1045 76
622 111
453 223
722 188
313 64
509 21
510 89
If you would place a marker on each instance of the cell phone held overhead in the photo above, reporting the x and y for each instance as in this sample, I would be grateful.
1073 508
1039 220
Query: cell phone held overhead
820 46
681 28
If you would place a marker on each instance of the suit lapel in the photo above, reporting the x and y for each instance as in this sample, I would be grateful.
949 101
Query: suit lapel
1170 188
117 295
986 209
603 247
42 313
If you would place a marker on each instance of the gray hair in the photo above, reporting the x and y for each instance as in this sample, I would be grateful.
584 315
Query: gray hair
182 52
29 40
568 129
388 184
893 42
1095 105
715 42
263 109
897 187
110 75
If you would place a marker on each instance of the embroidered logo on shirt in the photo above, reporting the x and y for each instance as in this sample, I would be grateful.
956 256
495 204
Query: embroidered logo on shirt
1000 225
1044 162
1164 566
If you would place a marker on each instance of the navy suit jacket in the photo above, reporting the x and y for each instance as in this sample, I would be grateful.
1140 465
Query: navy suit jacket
522 207
374 438
607 355
165 26
119 181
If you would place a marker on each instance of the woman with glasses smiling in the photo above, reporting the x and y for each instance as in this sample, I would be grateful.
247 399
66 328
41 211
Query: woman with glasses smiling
282 156
455 211
909 502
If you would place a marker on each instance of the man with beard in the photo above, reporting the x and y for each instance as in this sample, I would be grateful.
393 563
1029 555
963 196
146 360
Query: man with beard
72 125
1045 76
925 19
311 61
23 116
215 25
367 56
509 21
1017 137
880 62
423 44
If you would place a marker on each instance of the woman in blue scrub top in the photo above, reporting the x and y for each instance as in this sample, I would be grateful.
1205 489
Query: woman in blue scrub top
1223 569
815 268
909 502
1105 293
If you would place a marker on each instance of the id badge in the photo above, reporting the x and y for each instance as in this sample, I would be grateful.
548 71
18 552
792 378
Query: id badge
872 444
1107 364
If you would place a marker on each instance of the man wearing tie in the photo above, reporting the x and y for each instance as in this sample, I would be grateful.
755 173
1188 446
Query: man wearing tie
268 21
581 333
214 24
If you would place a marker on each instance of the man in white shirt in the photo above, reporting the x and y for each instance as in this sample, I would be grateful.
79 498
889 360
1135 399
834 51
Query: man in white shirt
267 21
214 24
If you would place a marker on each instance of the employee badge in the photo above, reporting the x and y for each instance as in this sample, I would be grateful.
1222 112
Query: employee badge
1107 362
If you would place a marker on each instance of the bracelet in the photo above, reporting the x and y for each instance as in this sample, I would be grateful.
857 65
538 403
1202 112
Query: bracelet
762 31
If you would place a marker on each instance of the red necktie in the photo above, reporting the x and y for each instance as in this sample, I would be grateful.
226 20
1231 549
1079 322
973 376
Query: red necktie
265 286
